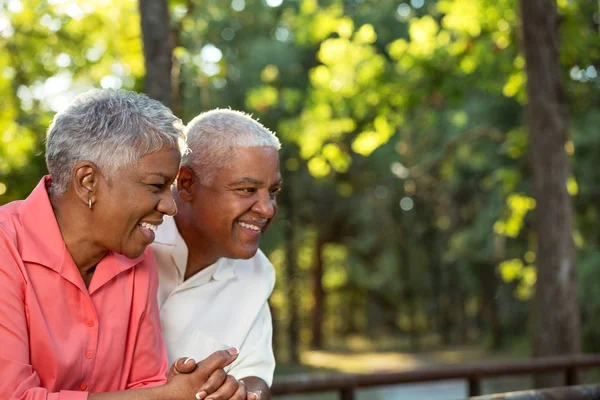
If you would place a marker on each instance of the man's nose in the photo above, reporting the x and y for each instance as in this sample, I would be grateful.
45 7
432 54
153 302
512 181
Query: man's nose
265 205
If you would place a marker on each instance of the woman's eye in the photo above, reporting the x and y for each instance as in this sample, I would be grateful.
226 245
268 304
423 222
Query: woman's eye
158 186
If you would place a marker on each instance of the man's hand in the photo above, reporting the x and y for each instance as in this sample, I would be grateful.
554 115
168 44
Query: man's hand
257 388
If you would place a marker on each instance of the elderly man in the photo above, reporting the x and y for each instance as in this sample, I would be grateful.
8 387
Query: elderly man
214 280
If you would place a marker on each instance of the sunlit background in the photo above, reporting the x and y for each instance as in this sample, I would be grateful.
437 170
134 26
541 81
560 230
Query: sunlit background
404 234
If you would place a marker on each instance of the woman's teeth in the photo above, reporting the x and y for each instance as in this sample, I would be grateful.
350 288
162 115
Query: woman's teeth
146 225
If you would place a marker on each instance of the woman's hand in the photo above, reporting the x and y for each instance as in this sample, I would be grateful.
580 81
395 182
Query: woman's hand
222 387
183 365
205 379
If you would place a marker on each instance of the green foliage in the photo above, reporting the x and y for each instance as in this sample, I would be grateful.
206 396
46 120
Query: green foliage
49 56
403 141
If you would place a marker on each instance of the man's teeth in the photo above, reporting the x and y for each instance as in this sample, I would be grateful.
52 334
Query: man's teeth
253 227
153 228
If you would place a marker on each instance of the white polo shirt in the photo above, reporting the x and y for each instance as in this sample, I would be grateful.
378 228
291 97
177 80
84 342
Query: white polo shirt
224 305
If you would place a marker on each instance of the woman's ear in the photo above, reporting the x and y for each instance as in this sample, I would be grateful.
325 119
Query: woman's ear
85 179
186 184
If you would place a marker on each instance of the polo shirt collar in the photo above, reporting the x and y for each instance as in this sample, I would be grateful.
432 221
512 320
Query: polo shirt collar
43 242
225 269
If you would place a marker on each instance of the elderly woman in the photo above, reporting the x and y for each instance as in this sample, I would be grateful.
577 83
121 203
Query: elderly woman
78 311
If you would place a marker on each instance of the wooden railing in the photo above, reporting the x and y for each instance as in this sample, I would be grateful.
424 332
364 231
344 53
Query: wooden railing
346 384
583 392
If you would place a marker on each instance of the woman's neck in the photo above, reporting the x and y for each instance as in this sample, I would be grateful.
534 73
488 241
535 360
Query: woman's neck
75 231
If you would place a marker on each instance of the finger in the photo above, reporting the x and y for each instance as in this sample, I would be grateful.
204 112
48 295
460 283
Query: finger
183 365
218 359
212 384
231 389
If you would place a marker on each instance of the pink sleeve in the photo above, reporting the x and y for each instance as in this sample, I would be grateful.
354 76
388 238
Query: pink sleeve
149 365
19 380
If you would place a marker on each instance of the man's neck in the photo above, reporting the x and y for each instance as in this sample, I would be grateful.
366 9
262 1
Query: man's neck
199 255
196 262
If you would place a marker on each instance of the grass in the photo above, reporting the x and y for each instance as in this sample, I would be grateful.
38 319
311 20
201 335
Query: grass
358 354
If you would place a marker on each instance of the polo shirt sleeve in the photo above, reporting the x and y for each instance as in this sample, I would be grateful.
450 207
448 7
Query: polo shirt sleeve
19 380
149 365
256 354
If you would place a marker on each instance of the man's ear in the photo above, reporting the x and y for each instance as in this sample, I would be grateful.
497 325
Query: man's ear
85 180
186 184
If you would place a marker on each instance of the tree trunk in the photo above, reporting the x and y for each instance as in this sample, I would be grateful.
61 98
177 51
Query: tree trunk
462 323
446 305
489 309
556 311
291 267
318 295
158 50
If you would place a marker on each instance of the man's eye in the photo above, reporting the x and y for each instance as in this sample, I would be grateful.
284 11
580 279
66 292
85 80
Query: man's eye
247 190
275 191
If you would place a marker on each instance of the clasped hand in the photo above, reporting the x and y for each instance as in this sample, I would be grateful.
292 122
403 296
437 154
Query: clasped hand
207 379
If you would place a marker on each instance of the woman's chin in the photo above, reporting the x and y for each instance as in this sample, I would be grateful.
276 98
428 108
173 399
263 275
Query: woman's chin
135 252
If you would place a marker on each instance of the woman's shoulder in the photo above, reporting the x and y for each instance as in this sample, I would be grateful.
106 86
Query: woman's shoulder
10 239
10 223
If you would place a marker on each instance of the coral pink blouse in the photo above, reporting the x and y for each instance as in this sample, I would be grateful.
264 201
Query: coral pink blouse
58 339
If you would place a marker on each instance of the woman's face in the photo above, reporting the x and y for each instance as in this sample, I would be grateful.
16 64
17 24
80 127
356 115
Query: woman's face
128 210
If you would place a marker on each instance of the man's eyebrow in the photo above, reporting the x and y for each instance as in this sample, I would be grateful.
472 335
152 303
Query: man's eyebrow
248 180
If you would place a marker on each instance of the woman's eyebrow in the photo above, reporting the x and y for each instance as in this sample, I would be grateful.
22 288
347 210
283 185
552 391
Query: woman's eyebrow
161 174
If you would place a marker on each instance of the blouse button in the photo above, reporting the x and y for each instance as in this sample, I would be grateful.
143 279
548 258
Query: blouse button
89 355
83 386
90 323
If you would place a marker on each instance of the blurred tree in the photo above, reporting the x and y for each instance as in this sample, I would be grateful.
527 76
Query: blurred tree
158 49
556 332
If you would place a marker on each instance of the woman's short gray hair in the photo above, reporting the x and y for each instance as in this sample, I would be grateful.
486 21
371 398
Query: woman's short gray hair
214 135
112 129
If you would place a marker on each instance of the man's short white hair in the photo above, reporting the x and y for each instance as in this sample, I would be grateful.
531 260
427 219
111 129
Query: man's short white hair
213 136
112 129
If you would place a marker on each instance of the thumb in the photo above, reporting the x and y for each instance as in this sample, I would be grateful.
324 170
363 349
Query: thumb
218 359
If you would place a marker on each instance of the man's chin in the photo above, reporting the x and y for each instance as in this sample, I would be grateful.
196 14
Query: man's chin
244 254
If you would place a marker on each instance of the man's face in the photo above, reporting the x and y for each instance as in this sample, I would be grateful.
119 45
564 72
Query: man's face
134 204
232 212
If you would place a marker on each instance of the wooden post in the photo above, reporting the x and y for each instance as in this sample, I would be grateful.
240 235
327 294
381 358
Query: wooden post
474 386
347 394
571 378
